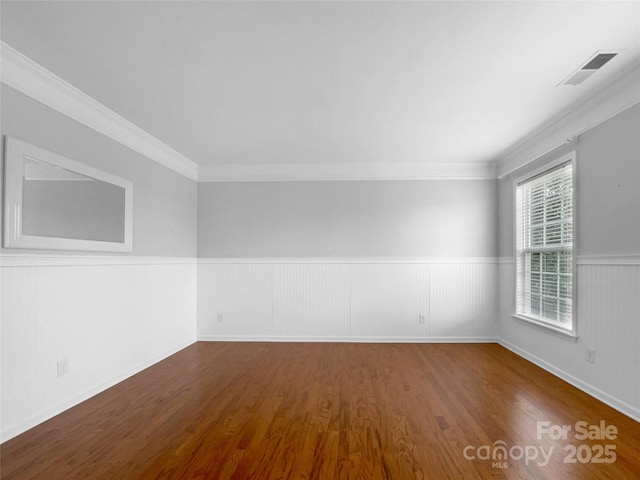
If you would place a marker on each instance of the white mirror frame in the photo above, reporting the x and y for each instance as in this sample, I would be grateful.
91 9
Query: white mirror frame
15 153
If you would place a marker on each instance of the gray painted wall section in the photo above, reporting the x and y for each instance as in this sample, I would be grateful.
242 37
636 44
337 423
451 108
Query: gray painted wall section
164 210
345 219
608 189
427 218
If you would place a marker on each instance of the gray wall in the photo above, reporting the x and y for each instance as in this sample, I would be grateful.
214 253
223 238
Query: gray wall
164 210
608 189
348 219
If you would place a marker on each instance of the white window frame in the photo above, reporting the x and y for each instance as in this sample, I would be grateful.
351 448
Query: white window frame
547 325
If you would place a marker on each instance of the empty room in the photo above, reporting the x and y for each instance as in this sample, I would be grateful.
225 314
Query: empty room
320 240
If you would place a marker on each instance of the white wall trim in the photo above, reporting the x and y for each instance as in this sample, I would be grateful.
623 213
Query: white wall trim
352 260
620 95
241 338
33 260
35 81
608 260
619 405
46 260
593 260
17 429
345 172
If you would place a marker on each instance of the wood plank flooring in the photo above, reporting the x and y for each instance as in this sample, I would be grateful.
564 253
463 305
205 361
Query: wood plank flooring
326 411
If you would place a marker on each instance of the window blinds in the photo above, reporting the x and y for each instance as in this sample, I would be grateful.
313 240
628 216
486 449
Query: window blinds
544 247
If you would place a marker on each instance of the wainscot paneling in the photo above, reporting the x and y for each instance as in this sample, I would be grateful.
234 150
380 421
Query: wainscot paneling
109 316
347 299
608 309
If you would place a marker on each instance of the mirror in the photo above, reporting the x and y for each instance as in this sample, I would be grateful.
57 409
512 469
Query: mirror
52 202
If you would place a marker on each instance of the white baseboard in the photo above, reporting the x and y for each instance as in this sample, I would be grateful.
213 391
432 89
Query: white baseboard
613 402
619 405
242 338
15 430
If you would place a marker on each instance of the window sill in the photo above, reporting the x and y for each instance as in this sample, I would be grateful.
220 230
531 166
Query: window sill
570 335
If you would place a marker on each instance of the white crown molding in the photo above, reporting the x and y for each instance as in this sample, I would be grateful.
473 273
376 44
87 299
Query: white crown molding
345 172
620 95
35 81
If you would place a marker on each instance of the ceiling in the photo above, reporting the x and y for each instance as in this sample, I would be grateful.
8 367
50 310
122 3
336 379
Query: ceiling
245 83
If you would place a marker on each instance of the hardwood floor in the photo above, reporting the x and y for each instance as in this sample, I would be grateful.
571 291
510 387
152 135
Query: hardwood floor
326 411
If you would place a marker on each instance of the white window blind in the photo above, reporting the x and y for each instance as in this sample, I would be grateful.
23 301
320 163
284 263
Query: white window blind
544 247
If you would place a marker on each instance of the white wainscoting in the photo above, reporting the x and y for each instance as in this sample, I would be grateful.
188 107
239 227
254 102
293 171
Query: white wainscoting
113 316
109 316
347 299
608 316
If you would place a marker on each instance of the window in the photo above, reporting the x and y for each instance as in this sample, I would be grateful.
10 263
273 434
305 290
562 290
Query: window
544 247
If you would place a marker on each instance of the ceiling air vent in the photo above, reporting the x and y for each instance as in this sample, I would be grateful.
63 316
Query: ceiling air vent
590 67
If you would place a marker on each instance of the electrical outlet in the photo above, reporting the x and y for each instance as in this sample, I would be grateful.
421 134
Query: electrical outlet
63 367
220 318
591 355
422 318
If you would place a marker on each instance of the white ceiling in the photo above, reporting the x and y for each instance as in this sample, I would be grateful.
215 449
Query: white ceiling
329 82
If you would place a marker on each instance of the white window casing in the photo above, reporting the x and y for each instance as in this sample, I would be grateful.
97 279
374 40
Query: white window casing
545 246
